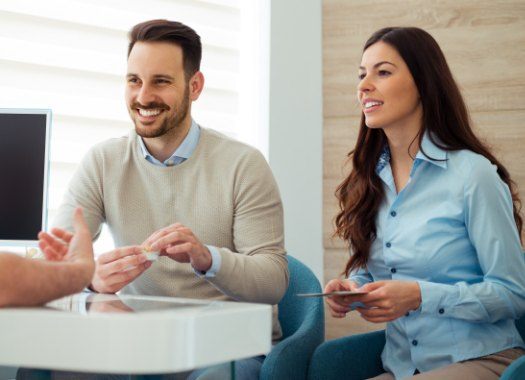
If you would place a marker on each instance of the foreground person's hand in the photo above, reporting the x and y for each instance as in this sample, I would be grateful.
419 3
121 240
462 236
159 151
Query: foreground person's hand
75 248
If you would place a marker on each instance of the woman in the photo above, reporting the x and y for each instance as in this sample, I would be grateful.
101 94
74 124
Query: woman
432 219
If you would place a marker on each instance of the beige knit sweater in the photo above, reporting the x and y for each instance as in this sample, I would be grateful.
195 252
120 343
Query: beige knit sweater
224 192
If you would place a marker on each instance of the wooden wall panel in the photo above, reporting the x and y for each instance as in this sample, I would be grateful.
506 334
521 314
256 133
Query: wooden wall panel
483 42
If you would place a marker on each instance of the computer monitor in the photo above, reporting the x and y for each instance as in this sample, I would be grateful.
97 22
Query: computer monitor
24 168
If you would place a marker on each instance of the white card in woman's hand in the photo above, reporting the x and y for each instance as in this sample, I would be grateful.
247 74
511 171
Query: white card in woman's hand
345 293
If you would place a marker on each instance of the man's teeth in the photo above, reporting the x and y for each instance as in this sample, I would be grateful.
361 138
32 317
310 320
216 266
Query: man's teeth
153 112
371 104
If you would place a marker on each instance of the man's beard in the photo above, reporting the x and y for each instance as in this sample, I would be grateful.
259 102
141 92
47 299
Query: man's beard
168 124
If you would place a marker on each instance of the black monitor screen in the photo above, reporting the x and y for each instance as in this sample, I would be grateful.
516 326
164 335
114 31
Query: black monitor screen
23 175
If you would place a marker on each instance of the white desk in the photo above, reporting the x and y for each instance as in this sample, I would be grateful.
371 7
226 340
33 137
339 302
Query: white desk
160 335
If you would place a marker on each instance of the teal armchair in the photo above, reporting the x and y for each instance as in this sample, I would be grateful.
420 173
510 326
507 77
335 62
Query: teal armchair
302 321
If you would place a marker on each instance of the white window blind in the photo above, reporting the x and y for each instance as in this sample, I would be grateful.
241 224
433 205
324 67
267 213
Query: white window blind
70 56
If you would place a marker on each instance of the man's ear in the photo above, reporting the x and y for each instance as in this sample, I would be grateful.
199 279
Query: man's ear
196 85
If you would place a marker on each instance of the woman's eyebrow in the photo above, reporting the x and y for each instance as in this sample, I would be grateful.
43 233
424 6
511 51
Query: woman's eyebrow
378 64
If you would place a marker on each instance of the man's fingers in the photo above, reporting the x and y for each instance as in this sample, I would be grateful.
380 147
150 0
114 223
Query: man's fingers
174 237
155 236
179 257
162 232
120 265
184 248
79 223
119 253
59 246
49 252
64 235
118 280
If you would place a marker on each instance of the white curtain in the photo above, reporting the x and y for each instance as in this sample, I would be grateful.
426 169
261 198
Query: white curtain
70 56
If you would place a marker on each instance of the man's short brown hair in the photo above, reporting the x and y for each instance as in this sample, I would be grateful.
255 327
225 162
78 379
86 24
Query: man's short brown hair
174 32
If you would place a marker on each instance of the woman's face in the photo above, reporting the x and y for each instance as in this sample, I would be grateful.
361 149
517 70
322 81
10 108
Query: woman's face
386 91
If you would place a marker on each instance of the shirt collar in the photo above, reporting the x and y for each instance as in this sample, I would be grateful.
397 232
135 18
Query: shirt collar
183 152
437 155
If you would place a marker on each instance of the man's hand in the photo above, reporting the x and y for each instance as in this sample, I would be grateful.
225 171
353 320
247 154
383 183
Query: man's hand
389 300
117 268
339 305
75 248
114 269
180 244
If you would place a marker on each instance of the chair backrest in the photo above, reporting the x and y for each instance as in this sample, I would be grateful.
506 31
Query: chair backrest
520 324
296 312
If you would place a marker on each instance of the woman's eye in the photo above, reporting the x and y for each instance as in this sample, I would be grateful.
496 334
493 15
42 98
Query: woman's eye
384 73
361 76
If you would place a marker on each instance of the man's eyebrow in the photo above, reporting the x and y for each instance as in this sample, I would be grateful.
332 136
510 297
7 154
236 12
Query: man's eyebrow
378 64
157 76
163 76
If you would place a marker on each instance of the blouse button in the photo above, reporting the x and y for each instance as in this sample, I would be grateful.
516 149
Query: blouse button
441 311
393 213
394 270
388 245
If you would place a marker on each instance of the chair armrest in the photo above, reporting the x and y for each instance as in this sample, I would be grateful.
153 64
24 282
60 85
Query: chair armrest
353 357
515 371
290 358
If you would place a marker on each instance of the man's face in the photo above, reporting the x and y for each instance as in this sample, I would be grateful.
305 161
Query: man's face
157 93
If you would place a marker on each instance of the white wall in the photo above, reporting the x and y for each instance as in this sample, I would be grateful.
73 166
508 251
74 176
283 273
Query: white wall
295 120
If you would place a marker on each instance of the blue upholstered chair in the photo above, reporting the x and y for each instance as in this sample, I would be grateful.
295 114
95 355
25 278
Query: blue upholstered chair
302 321
359 357
351 358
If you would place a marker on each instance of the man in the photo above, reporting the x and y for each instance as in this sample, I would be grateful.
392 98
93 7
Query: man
208 204
25 282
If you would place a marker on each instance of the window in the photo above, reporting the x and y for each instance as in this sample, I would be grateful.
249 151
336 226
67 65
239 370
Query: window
70 56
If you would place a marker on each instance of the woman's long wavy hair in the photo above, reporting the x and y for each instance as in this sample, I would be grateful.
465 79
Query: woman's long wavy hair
444 115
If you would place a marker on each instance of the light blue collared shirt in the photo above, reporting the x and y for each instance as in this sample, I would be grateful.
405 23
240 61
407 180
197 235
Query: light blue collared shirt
452 230
181 154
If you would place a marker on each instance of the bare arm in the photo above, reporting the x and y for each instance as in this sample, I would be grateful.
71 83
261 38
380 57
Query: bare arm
26 282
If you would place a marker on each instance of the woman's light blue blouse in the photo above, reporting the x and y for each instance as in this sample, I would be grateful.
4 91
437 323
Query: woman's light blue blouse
452 230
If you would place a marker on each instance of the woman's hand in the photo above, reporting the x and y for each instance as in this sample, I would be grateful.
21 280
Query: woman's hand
339 305
386 301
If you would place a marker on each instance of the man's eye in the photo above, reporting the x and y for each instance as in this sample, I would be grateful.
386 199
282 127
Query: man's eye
132 80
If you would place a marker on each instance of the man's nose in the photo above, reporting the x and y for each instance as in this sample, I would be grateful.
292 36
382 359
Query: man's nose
145 95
